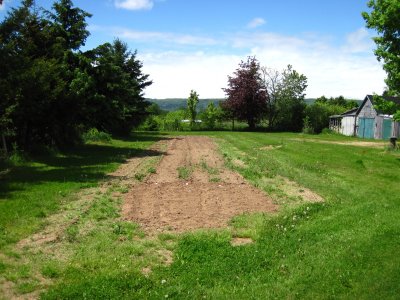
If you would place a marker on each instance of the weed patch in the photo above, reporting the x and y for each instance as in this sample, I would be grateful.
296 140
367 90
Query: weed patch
184 172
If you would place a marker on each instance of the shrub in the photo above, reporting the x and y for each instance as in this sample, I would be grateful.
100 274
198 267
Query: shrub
17 157
328 131
150 124
94 135
318 114
307 127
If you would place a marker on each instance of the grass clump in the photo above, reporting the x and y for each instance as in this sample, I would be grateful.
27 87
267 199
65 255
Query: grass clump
140 176
208 169
51 270
184 172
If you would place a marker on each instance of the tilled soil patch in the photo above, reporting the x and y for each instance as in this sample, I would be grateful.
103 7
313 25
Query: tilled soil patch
208 195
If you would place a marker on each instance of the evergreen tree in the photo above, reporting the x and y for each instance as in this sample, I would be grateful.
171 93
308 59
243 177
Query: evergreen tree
118 103
51 92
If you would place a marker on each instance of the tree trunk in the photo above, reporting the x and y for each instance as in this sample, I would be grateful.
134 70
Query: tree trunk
252 124
3 139
233 124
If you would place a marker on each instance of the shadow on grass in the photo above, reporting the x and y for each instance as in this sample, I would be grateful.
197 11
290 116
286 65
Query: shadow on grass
86 164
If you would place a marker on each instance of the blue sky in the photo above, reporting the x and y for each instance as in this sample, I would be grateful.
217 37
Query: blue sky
196 44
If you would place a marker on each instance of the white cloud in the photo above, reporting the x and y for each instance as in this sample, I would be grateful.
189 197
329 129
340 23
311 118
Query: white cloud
203 62
256 22
332 70
134 4
175 74
161 37
358 41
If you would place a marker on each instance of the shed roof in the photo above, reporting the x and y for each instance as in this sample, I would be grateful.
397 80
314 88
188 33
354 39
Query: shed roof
371 98
351 112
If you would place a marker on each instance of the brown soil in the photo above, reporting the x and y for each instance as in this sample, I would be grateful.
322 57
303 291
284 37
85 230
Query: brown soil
208 196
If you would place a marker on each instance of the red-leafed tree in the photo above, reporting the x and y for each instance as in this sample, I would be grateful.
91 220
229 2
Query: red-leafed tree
247 97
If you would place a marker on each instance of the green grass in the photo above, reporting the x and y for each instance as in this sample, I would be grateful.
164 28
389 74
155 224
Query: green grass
344 247
184 172
35 189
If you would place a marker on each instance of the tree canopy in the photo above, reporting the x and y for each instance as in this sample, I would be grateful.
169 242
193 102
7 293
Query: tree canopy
285 98
192 102
51 92
246 95
385 19
258 93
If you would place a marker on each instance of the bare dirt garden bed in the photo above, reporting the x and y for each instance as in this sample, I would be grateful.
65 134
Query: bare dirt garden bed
192 189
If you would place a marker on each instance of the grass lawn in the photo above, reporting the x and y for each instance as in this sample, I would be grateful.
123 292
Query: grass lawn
32 190
344 247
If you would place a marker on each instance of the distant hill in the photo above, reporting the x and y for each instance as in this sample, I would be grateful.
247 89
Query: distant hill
171 104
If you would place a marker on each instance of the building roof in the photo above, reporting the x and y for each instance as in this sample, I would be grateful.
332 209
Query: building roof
355 111
371 98
351 112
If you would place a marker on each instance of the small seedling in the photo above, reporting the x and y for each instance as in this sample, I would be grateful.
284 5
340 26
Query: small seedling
139 176
215 179
152 170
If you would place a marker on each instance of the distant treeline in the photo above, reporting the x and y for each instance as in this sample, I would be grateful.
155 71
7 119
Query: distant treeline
172 104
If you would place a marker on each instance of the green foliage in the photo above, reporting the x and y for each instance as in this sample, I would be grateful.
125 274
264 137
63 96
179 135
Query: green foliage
387 106
285 101
246 95
307 126
150 124
211 115
192 102
117 104
51 91
17 157
140 176
69 24
172 121
318 114
93 135
338 101
155 110
328 131
171 104
184 172
384 17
